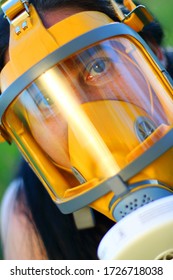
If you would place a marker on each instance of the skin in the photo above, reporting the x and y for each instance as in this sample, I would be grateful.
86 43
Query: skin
15 224
51 132
51 17
102 76
20 239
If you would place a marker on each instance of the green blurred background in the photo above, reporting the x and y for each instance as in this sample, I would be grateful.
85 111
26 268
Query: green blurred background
9 155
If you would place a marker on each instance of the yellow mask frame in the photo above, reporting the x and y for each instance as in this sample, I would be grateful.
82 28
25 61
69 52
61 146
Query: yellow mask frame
92 31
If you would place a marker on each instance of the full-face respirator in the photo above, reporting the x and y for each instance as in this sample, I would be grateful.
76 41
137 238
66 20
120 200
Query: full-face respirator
87 97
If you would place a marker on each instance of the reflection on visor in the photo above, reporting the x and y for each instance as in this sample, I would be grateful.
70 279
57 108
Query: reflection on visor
85 113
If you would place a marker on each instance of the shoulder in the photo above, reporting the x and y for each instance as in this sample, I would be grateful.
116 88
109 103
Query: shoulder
19 237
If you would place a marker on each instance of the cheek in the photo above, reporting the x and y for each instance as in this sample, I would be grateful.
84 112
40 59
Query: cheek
52 136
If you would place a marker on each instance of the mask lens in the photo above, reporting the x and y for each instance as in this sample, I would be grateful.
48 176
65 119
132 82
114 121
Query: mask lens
89 112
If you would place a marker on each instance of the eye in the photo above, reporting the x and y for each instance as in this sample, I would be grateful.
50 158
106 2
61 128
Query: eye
40 100
43 103
96 69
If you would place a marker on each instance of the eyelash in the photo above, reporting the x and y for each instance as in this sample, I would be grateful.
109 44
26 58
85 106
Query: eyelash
104 62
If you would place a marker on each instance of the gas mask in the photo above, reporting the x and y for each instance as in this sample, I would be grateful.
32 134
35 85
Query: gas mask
87 97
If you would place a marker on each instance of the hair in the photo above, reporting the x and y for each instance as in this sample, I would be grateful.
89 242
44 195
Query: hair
58 232
48 5
98 5
49 223
4 38
153 30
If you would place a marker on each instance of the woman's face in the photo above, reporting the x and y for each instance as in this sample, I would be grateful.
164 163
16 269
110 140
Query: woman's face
107 71
102 72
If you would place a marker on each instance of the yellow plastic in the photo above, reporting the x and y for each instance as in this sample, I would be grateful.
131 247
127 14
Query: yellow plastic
3 135
16 9
47 170
22 57
100 113
2 139
22 53
134 21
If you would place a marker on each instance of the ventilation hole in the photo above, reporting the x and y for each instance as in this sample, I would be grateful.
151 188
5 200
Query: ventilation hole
168 255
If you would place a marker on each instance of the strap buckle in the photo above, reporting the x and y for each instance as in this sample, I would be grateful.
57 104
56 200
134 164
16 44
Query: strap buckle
16 11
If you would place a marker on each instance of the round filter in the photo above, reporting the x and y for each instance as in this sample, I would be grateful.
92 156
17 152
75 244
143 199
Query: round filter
145 234
137 199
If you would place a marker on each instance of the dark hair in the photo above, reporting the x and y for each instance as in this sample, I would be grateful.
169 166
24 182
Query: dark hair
97 5
48 5
60 236
153 30
4 38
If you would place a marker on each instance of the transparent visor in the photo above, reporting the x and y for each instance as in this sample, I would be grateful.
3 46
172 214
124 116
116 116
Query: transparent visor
91 114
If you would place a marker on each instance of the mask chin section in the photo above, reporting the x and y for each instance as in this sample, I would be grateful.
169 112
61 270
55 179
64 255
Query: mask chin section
140 194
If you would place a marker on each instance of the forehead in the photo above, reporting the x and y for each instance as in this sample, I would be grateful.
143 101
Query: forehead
50 18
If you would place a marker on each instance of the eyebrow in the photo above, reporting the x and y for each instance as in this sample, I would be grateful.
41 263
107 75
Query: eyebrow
77 63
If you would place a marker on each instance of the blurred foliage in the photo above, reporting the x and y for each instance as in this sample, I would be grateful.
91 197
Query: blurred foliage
2 1
9 159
